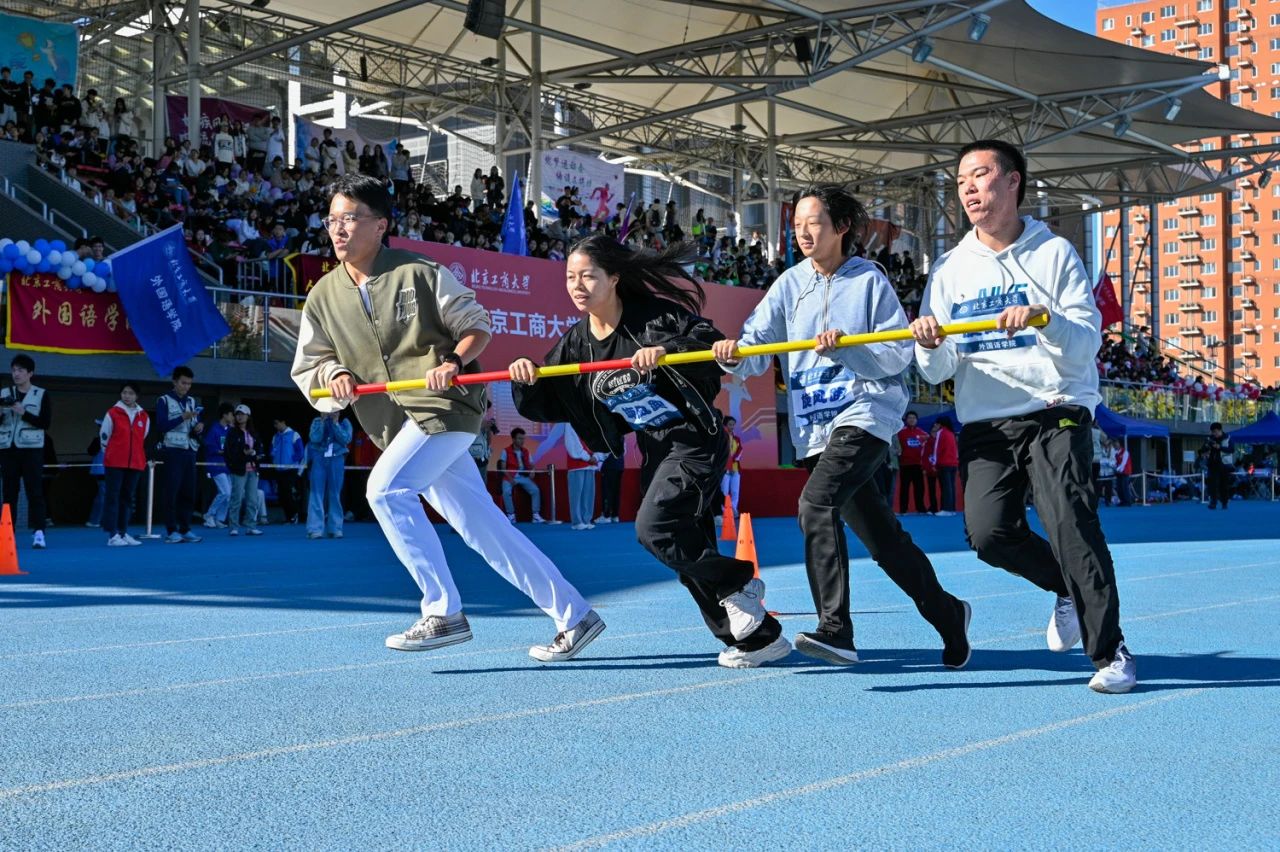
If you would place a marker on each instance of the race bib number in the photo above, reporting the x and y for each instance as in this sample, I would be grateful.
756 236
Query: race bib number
627 394
820 394
987 307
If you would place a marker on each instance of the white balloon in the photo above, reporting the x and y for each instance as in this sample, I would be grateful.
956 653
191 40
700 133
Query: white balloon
5 242
99 286
77 268
23 247
55 257
64 272
89 279
33 256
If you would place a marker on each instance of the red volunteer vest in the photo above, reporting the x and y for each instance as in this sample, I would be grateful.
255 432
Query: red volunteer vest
127 445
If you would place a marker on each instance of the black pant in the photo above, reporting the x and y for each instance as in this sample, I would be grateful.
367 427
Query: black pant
912 480
885 477
947 483
610 491
24 467
676 523
287 489
1218 481
841 486
999 461
117 502
931 492
179 469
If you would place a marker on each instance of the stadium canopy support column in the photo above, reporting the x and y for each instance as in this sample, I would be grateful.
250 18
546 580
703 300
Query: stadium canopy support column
1126 276
940 224
500 109
1089 243
533 192
159 70
773 226
193 73
1153 258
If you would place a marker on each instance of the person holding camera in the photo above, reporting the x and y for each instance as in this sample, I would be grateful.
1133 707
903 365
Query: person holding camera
242 451
25 415
177 421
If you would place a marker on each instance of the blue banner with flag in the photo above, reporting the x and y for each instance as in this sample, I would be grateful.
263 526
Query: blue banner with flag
44 48
514 238
172 314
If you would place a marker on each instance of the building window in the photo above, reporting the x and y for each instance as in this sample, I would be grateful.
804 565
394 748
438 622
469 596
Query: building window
1235 98
1238 316
1170 224
1148 41
1206 53
1237 290
1209 292
1209 219
1148 17
1209 244
1169 248
1205 29
1204 5
1208 196
1170 319
1210 269
1168 35
1108 24
1171 295
1170 272
1167 11
1111 231
1235 266
1210 316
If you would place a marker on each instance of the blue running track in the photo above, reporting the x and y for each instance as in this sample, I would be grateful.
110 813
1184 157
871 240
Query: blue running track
236 694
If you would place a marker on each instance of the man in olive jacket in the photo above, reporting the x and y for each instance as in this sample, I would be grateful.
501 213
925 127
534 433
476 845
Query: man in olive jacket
387 315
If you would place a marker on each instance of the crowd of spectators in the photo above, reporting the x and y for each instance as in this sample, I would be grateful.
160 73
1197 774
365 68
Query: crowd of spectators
1136 362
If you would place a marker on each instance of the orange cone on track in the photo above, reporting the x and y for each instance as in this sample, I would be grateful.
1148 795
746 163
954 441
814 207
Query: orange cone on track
728 532
8 549
747 543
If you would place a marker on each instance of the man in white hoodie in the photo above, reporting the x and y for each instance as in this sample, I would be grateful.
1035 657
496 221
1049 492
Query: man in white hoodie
846 406
1026 396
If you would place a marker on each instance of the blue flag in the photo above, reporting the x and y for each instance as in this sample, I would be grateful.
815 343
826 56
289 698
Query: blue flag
514 239
171 313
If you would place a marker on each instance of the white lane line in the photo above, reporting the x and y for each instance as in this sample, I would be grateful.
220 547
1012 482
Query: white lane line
401 659
10 793
695 817
188 641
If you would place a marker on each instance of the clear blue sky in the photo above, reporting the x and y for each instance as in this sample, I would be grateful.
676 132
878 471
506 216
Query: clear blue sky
1074 13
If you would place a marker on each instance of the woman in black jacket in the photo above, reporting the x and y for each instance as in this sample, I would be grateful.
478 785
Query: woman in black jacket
635 310
242 450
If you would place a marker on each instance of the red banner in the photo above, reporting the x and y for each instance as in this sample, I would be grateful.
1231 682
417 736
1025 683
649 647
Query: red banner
308 269
46 316
529 309
1105 295
211 109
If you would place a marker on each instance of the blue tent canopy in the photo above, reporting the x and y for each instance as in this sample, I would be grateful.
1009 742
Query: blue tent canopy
1265 431
926 422
1121 426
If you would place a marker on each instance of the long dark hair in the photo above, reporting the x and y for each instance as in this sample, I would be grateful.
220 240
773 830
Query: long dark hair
643 273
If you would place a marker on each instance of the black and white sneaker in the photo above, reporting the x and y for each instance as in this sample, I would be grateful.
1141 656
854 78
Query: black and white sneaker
745 609
736 658
431 632
568 643
826 646
957 650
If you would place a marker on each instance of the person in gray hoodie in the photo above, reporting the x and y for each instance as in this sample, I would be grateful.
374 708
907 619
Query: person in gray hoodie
845 406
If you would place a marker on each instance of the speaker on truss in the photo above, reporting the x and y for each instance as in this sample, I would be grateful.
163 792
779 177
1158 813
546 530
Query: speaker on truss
486 17
804 53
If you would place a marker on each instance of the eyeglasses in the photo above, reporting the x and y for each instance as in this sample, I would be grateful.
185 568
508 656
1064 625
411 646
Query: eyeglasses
346 220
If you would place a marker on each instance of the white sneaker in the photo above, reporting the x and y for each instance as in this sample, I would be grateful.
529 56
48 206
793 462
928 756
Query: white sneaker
430 632
117 541
736 658
578 527
131 541
943 514
603 520
37 540
512 517
211 522
745 609
174 538
1063 632
537 519
1121 676
568 643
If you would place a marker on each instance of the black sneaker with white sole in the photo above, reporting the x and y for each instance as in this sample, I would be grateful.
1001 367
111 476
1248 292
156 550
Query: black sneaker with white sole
956 650
827 646
431 632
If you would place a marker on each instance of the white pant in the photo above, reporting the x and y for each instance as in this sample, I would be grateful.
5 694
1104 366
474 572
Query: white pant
439 468
730 484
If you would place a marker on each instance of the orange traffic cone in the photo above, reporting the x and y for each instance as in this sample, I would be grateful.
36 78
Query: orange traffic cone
747 543
728 532
747 550
8 549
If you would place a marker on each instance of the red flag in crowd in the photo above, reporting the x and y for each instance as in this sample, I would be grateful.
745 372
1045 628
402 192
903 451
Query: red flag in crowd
1105 295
